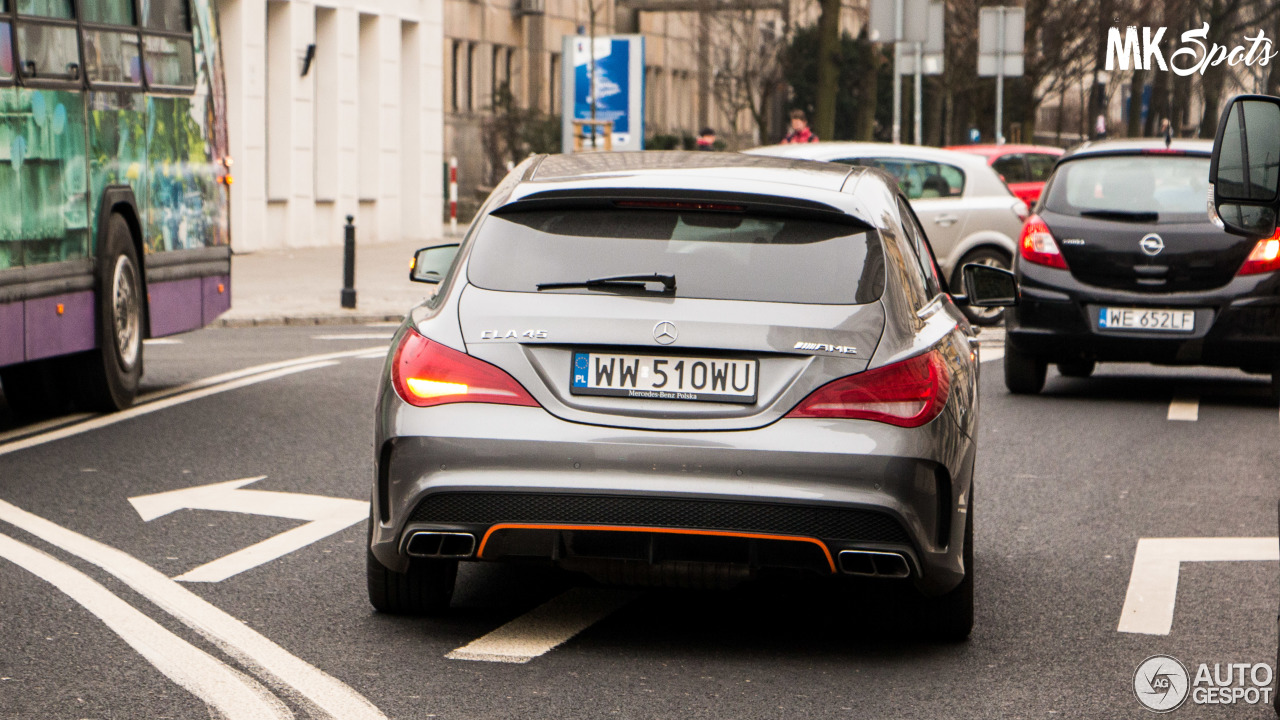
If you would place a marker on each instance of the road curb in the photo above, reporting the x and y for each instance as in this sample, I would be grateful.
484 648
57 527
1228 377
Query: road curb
269 321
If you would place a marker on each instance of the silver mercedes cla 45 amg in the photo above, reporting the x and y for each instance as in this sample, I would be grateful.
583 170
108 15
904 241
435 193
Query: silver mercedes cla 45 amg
661 368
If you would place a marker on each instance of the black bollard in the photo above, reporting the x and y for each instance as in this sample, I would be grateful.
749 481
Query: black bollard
349 266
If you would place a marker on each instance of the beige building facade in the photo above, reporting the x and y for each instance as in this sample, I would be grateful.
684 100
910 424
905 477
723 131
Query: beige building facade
518 42
334 109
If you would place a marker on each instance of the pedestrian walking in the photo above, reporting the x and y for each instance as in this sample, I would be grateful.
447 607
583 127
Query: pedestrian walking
706 139
799 132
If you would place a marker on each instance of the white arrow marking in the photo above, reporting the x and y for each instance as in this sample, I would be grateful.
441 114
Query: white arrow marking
300 681
227 692
327 515
1153 585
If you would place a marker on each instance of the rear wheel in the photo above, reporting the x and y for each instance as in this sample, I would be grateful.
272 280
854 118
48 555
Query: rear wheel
108 376
1077 368
949 617
424 589
982 256
1023 373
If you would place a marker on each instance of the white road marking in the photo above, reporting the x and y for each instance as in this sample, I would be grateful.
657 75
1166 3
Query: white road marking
1185 407
987 353
327 515
322 694
1153 584
161 341
355 336
545 627
45 426
186 393
228 693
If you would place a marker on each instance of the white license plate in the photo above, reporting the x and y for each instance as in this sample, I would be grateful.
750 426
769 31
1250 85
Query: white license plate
1114 318
654 377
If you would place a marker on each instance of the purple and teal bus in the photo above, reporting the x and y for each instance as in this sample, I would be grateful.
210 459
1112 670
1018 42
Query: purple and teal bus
113 193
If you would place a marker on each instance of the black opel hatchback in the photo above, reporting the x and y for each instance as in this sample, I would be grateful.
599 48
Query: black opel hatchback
1122 261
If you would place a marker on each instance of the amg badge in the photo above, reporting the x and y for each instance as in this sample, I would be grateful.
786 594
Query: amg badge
823 347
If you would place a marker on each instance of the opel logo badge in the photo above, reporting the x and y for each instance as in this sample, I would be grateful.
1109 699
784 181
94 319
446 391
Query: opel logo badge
1151 244
665 333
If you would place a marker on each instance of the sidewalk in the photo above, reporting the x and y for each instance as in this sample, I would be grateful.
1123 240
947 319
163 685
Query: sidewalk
303 286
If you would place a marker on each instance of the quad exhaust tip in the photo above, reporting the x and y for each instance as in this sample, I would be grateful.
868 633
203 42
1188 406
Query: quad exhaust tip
440 544
874 563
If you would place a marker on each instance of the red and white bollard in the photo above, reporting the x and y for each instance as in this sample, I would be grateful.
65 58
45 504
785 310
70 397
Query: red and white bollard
453 196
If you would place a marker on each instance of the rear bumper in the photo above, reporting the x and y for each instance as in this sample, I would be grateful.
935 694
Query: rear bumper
793 494
1237 325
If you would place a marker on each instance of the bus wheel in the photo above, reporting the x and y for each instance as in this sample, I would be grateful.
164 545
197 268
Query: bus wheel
110 374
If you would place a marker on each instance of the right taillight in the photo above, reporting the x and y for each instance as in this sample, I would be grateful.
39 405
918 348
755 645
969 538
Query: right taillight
1264 258
1038 246
909 393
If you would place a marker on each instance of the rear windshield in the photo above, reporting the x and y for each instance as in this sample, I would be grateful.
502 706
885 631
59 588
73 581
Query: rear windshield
714 255
1172 186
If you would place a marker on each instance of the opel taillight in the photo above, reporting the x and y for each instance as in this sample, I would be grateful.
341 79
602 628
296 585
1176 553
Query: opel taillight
1264 258
909 393
1038 246
427 373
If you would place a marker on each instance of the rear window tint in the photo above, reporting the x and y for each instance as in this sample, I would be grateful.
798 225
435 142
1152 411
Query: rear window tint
1173 186
722 256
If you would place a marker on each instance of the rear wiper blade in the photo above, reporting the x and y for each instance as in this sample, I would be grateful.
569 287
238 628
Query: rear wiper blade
619 282
1126 215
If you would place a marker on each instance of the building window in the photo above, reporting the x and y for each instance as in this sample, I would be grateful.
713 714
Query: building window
468 86
553 90
453 72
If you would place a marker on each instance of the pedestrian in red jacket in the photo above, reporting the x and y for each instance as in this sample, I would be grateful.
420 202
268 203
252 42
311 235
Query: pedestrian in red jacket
799 132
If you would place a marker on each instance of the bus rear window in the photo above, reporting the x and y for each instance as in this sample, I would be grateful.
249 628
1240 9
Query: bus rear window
46 8
6 50
108 12
167 15
170 61
722 256
48 52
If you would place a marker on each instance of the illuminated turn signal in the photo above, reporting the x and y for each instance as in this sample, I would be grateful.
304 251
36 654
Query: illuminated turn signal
1264 258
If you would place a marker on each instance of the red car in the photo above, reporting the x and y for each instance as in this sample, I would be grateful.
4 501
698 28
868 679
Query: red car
1024 168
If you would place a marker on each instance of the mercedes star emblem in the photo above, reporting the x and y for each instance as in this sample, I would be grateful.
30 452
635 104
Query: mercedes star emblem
665 333
1151 244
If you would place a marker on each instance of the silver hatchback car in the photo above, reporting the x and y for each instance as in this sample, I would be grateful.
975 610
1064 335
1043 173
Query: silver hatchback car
683 368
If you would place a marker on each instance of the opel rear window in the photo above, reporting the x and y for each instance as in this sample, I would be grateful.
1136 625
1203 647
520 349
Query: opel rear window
1172 186
713 255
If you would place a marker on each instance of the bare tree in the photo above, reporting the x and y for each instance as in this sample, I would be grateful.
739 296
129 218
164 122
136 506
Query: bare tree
746 64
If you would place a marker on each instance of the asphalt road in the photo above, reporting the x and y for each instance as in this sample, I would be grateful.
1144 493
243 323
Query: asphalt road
1068 484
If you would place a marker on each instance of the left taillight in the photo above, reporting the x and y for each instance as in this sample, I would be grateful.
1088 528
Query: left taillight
909 393
427 373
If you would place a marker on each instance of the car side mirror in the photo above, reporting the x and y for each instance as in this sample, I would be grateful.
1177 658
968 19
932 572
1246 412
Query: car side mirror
1244 174
430 264
987 287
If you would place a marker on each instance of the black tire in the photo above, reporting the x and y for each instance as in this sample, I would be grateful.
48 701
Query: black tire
982 256
109 375
35 390
1023 373
949 617
426 589
1077 368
